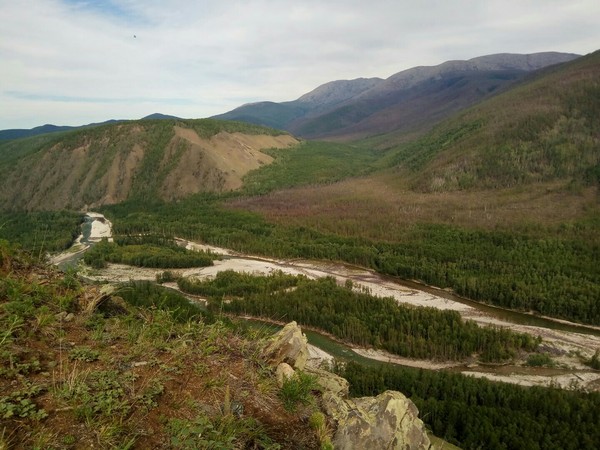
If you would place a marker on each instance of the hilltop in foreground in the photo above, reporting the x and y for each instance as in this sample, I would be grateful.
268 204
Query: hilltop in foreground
83 369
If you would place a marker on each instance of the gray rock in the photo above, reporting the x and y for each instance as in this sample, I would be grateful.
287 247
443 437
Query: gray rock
329 381
388 421
284 372
289 345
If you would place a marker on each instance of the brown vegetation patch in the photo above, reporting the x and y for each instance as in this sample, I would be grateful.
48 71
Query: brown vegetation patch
380 207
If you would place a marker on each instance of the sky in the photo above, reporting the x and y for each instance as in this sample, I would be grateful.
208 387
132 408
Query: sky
73 62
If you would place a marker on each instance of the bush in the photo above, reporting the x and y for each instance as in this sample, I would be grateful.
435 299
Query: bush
539 360
298 390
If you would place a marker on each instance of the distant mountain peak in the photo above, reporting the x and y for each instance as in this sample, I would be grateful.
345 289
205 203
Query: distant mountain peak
338 91
159 116
410 100
516 61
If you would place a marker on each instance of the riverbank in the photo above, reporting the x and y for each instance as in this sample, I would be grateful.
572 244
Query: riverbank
566 348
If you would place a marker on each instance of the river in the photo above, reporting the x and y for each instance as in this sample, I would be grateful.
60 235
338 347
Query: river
566 342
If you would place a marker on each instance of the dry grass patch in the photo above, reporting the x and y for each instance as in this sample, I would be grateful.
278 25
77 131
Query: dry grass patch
380 207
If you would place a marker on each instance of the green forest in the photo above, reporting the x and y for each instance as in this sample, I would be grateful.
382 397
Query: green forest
359 318
553 272
145 252
476 413
40 231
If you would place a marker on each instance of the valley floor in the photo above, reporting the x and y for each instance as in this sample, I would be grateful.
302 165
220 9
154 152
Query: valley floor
566 347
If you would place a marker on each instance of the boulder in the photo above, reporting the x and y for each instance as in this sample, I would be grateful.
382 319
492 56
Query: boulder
329 381
387 421
284 372
289 345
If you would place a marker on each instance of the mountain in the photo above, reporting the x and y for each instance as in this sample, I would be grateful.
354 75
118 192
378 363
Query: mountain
269 114
108 164
542 130
18 133
6 135
281 115
336 92
411 100
159 116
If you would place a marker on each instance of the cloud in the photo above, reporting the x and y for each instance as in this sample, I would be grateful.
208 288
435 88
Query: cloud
74 61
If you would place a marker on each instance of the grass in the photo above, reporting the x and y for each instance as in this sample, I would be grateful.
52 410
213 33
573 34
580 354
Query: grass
119 376
297 390
310 163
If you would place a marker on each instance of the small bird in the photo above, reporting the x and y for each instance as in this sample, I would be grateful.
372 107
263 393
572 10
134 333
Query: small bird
134 36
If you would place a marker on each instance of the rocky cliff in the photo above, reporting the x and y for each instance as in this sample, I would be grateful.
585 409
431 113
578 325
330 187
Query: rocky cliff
388 421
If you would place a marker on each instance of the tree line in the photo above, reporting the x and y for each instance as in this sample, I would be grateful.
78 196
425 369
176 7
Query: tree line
40 231
162 255
360 318
477 413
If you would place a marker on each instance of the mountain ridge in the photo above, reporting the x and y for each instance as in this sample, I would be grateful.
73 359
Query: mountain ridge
364 110
18 133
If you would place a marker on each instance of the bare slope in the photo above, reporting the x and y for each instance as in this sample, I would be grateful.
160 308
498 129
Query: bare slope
108 164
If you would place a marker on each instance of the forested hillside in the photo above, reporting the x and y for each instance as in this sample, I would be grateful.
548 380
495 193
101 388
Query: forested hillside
540 131
477 413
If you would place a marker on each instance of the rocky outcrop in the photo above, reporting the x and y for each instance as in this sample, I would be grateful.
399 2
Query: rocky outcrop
289 345
329 382
388 421
284 372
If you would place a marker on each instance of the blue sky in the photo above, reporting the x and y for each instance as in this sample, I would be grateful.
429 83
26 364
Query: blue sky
71 62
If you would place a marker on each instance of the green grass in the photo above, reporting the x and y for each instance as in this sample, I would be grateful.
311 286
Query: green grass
309 163
148 295
298 390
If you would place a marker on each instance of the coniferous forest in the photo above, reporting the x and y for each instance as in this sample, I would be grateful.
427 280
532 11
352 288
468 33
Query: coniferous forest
359 318
144 252
478 413
551 271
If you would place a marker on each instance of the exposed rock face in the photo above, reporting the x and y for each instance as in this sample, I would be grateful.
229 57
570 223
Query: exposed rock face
284 372
388 421
329 382
289 345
